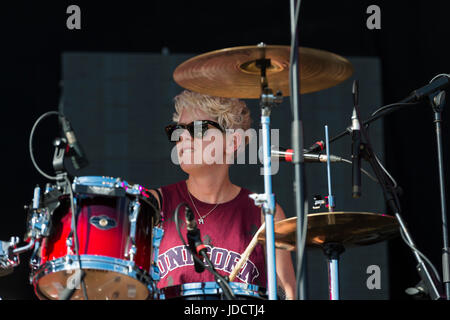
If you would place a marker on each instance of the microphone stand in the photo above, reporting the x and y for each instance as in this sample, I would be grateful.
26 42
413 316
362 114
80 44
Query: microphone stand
297 144
437 102
389 191
433 92
391 199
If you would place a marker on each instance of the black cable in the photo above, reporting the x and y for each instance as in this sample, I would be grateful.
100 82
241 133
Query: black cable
30 145
436 273
221 281
375 116
381 176
399 104
74 231
362 170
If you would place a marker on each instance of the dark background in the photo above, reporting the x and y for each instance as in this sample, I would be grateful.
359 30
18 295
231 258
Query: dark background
411 45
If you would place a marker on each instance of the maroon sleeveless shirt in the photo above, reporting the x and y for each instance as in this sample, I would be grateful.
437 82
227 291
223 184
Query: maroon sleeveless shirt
226 232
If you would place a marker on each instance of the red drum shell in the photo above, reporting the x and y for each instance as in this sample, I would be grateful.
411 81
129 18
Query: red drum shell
103 230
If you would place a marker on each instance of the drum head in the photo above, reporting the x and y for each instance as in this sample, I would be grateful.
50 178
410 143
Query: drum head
104 280
100 285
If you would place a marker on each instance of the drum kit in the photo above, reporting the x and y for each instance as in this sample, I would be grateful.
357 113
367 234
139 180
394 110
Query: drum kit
111 230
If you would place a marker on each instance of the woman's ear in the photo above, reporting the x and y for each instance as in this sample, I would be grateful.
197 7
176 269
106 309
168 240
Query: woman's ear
233 141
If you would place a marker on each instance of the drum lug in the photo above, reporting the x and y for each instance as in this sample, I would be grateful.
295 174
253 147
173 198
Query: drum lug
69 243
132 252
154 269
35 261
135 207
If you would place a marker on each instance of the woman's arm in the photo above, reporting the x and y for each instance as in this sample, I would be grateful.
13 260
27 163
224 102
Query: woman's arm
283 260
155 194
284 265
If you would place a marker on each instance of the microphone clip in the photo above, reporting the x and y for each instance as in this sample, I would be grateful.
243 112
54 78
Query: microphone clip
437 100
319 202
73 147
61 147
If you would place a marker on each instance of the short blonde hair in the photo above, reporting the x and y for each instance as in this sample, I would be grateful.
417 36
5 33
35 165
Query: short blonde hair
230 113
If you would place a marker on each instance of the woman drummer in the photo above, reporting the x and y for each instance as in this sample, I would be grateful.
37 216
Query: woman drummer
207 140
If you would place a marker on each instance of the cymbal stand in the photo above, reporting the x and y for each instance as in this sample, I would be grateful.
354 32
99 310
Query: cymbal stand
332 250
331 203
267 200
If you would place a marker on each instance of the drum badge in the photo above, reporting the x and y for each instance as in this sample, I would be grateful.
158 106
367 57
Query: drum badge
103 222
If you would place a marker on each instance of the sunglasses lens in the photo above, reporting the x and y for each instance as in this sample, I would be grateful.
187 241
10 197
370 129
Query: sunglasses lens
173 132
196 129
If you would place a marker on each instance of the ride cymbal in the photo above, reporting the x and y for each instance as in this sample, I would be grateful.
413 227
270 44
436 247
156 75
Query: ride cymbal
233 72
346 228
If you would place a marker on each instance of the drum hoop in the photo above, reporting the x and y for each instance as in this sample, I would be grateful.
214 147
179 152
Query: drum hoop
107 186
89 186
212 288
102 263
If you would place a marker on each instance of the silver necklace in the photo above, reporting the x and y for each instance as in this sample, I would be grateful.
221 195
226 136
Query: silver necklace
200 220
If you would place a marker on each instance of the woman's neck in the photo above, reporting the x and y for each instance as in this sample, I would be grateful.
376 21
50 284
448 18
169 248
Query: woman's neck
212 187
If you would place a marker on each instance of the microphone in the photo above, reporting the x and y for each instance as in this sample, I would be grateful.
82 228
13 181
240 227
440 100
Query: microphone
356 145
76 153
440 83
283 154
316 147
194 239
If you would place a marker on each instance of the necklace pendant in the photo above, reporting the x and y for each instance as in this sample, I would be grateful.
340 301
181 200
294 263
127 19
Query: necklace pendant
200 221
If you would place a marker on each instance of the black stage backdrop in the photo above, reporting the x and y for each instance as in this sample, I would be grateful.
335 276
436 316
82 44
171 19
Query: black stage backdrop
128 98
411 47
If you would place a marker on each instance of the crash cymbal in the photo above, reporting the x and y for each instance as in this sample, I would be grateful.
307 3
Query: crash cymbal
347 228
233 73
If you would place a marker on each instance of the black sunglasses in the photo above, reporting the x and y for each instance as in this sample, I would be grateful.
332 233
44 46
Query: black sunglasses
197 129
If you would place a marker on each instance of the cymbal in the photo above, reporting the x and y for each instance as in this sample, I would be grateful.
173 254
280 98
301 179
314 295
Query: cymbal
347 228
233 73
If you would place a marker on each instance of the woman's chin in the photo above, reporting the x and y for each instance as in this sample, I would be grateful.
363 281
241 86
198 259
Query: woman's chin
191 168
188 163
